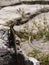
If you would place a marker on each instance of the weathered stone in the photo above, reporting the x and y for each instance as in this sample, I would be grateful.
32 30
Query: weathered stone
8 2
22 59
12 2
7 52
14 14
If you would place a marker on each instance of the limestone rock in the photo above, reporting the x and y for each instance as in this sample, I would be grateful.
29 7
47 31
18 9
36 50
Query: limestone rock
18 14
15 15
7 53
12 2
8 2
25 60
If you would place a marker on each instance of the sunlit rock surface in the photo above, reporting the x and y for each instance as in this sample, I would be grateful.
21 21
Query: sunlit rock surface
8 2
37 44
15 12
5 13
12 2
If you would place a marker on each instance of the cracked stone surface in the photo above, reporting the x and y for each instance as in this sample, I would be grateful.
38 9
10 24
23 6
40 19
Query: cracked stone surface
11 2
17 16
12 13
7 55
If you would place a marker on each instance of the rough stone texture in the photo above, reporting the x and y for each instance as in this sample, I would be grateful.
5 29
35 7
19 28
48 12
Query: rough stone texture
8 2
5 13
12 2
7 52
39 19
25 60
37 44
16 15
